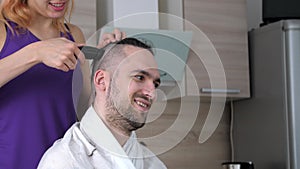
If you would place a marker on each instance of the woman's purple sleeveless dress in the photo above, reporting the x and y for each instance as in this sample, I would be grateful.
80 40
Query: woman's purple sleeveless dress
36 108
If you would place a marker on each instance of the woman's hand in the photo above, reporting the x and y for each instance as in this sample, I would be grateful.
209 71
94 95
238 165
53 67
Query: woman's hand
59 53
108 38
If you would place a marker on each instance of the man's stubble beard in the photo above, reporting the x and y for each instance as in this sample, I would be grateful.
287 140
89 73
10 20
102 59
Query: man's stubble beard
121 114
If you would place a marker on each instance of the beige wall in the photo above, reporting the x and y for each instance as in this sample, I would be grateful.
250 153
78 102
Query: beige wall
84 16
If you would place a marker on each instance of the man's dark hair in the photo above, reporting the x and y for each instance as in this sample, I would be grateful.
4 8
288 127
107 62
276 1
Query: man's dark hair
109 57
136 42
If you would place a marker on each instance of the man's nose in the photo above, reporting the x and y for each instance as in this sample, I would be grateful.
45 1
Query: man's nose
150 90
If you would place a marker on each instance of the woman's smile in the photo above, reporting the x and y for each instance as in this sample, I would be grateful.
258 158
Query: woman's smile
57 6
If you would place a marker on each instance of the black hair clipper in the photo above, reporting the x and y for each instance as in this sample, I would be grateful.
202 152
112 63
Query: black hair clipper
92 52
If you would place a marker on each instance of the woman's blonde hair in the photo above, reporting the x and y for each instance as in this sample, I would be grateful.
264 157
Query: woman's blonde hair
19 12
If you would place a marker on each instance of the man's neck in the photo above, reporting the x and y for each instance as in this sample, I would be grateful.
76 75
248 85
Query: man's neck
120 134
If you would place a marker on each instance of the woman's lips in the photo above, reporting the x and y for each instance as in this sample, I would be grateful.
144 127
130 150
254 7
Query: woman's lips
57 6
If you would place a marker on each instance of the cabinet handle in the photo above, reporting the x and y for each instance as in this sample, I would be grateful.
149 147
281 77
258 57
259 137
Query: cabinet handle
229 91
165 83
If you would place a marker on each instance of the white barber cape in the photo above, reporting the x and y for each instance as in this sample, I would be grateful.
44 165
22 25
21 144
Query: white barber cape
90 145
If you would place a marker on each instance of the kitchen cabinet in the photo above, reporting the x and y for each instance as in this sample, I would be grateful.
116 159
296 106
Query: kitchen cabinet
220 25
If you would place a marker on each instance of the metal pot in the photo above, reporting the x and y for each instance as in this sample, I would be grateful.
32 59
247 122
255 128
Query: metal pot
238 165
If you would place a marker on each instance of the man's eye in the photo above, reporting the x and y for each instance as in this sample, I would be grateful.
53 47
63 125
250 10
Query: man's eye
139 77
156 84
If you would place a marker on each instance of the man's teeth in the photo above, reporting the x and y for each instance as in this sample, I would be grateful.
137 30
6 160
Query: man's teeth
141 104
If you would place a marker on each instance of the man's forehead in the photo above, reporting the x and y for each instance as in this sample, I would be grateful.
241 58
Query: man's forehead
140 64
139 57
140 68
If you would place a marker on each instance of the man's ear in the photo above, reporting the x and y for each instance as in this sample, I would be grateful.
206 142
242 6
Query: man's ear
100 81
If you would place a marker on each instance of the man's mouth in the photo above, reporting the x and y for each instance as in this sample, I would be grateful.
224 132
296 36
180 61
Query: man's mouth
143 105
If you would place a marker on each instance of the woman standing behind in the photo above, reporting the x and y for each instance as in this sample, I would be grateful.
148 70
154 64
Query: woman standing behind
38 53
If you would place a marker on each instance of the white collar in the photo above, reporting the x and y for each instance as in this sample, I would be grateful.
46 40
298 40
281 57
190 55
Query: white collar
100 136
92 125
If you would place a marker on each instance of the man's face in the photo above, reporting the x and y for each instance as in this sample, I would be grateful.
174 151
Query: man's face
132 89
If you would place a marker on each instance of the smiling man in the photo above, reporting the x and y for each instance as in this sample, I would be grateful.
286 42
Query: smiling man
124 87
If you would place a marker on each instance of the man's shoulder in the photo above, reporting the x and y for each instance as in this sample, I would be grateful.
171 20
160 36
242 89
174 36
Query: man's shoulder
59 154
56 157
150 158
